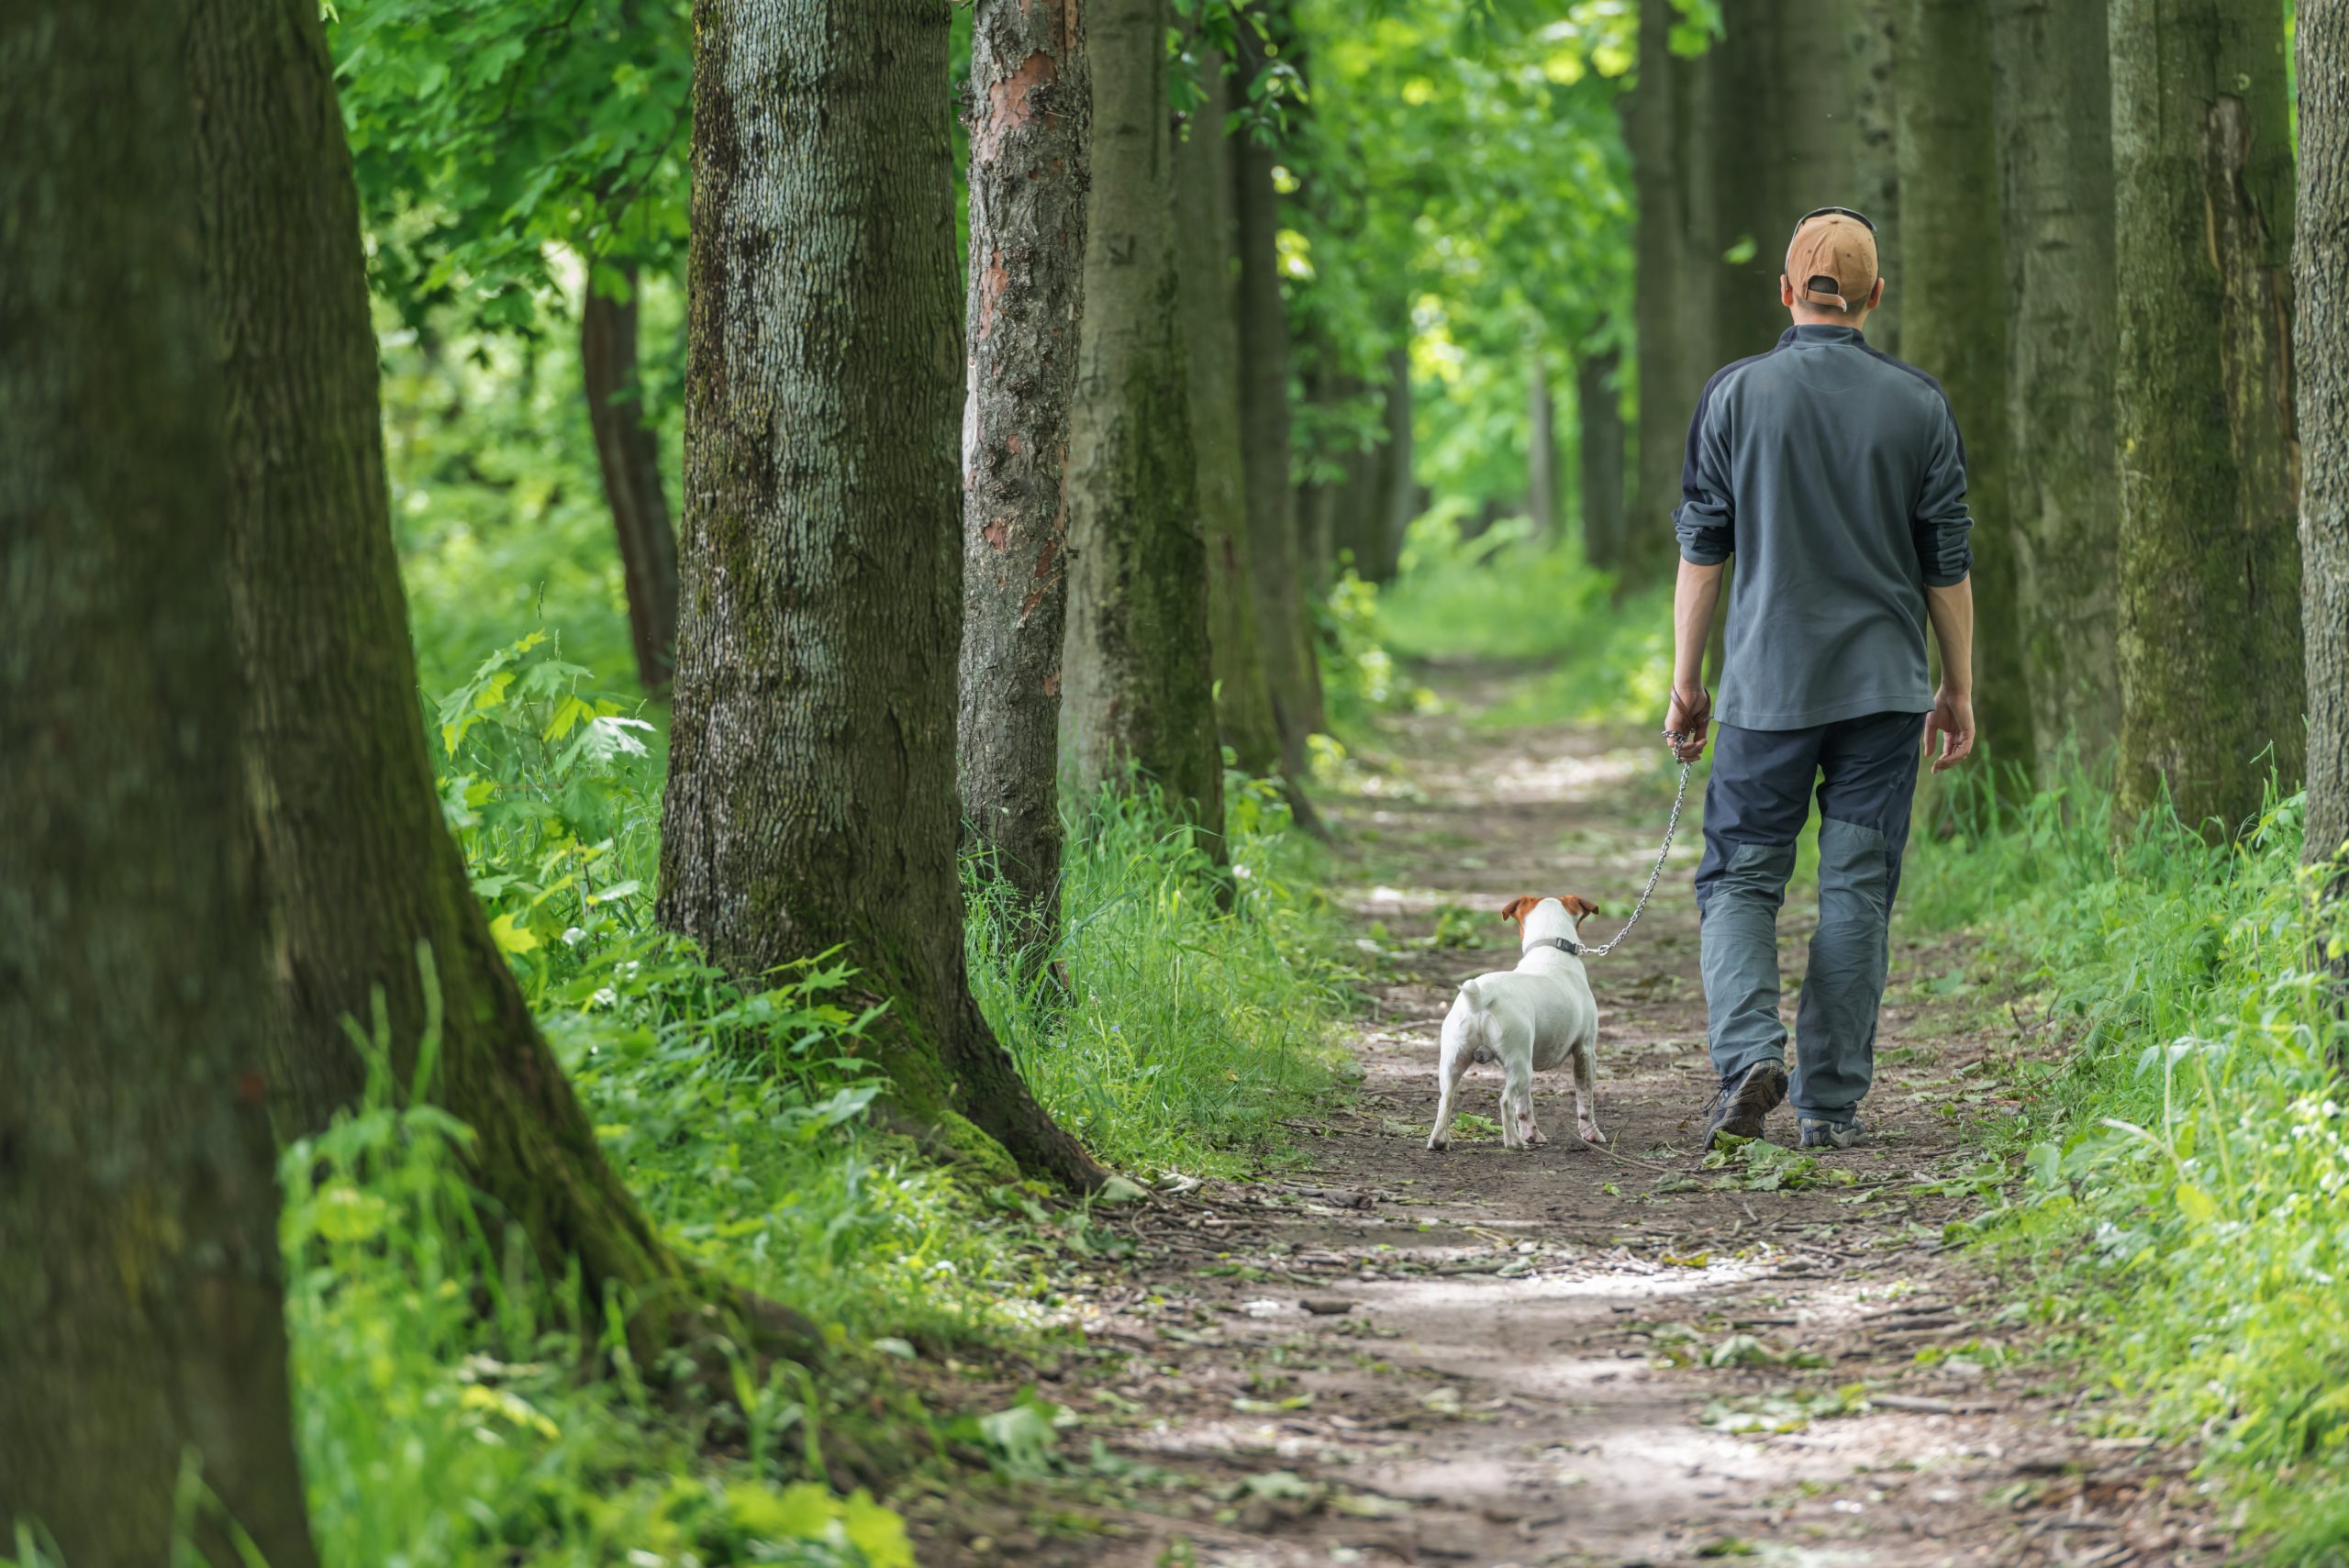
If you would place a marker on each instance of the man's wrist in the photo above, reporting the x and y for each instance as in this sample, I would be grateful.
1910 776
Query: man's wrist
1961 694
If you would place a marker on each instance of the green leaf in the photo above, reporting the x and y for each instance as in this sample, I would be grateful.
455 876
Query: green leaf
511 936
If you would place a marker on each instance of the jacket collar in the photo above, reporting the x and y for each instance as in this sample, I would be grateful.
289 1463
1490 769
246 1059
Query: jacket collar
1820 332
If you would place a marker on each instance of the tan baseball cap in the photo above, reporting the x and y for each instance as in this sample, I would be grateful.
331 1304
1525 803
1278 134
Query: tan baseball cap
1831 259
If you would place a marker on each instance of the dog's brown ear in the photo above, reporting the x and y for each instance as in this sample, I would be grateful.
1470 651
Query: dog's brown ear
1518 907
1581 909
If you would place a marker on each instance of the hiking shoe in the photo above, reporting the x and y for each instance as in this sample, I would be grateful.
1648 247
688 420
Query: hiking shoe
1744 1101
1830 1134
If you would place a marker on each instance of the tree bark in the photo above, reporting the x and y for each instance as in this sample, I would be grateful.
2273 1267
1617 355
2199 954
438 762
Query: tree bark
1878 45
1140 692
628 452
1541 450
811 796
2210 643
1291 665
2321 278
1400 485
143 1316
360 866
1205 261
1600 415
1955 328
1031 97
2053 99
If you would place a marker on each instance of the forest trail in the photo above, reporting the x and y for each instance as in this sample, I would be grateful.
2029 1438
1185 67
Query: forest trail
1524 1374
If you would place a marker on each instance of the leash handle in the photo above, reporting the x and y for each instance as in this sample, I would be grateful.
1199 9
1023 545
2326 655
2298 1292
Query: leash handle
1670 826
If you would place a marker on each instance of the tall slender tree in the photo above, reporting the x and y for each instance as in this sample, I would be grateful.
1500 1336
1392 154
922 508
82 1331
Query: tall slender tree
1599 413
628 450
1139 690
1672 287
140 1025
1955 329
1398 487
1032 102
2321 337
2210 642
359 865
811 798
2053 108
1206 267
1540 448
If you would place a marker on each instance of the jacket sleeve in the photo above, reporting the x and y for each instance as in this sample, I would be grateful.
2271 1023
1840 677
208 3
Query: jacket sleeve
1941 524
1705 519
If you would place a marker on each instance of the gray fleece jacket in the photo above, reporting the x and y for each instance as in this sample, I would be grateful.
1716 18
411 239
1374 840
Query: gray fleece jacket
1836 475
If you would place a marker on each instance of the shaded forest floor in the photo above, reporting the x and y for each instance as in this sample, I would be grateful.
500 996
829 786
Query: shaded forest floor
1567 1356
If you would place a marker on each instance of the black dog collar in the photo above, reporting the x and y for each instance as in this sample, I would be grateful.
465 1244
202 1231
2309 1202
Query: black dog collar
1564 944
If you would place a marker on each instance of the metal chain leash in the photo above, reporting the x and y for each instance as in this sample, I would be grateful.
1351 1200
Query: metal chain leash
1672 825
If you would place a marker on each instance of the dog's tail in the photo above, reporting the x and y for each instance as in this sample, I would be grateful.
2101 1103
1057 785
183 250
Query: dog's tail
1472 991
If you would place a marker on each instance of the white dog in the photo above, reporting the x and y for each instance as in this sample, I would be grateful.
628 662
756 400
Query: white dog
1528 1019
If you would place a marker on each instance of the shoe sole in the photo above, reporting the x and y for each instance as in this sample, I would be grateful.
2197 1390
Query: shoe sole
1759 1092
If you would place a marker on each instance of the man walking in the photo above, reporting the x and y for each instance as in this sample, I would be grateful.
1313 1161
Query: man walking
1834 473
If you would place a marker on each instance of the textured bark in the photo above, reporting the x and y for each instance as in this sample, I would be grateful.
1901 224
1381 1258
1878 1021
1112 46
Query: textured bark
2209 636
628 451
1399 488
1600 415
2321 339
1032 102
2055 127
1878 45
1206 261
1141 693
143 1315
811 796
1541 450
1955 327
360 866
1291 666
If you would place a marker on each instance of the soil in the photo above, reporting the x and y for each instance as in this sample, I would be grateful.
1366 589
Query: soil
1569 1355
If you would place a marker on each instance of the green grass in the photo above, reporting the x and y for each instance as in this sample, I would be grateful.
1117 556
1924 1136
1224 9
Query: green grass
2185 1151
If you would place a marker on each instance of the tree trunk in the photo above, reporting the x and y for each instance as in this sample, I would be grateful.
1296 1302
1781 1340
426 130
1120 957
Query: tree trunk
1032 98
1956 288
811 796
1140 692
1204 243
1541 451
1290 662
359 863
628 451
144 1318
1400 485
1600 414
2321 278
2053 116
2210 644
1878 44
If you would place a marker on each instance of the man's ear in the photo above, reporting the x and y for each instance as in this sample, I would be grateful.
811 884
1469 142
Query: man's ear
1518 907
1787 290
1875 295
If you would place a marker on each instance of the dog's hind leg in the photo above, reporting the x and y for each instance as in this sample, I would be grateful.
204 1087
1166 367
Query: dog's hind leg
1585 1109
1517 1108
1453 1068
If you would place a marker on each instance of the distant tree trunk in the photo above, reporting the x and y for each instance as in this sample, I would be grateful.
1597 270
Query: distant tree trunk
1359 496
1541 450
1955 329
359 865
1878 44
1599 413
811 796
1031 97
139 1025
1205 259
2055 127
630 454
2211 646
1141 693
1290 661
1400 485
2321 338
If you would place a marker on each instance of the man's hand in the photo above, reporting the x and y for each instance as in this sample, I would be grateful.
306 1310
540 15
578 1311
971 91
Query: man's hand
1952 720
1690 716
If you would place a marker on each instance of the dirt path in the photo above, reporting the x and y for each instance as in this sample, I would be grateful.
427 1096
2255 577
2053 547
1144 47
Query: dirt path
1568 1357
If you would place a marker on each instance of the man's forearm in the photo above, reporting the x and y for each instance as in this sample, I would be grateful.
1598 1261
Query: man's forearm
1953 612
1693 597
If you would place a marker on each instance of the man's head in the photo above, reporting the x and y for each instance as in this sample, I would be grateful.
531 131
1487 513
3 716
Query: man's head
1830 273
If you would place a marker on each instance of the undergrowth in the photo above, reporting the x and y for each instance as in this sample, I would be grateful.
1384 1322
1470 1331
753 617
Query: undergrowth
2182 1140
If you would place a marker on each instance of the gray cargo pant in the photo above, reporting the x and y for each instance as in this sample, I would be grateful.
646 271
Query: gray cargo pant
1865 772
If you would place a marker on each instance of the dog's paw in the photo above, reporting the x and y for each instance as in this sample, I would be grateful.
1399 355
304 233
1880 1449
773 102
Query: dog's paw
1589 1132
1438 1145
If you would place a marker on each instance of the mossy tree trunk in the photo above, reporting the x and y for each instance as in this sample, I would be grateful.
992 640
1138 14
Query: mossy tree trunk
628 452
359 865
2320 336
1598 414
1540 448
1672 294
1955 284
1032 102
2054 116
1140 691
1398 485
1206 270
2211 693
811 799
139 1025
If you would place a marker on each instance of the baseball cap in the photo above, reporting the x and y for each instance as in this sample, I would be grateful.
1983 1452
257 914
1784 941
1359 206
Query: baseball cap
1831 258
